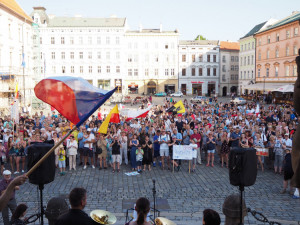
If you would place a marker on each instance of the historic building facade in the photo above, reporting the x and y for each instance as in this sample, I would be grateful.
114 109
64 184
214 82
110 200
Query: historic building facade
15 54
199 67
277 46
229 67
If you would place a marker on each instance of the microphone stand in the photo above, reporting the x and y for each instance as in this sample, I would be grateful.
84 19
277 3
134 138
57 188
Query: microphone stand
154 197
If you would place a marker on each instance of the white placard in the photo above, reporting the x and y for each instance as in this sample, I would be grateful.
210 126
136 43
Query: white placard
184 152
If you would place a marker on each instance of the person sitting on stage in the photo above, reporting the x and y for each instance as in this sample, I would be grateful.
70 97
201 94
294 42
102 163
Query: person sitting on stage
76 215
142 207
211 217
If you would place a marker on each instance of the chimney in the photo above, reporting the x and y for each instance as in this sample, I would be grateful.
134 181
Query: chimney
160 28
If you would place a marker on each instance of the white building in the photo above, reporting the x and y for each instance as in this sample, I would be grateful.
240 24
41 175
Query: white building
104 52
151 61
15 54
92 48
199 67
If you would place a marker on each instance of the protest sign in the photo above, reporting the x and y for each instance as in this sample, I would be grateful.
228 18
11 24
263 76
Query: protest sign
184 152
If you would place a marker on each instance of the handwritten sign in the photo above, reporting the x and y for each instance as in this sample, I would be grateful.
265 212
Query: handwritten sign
184 152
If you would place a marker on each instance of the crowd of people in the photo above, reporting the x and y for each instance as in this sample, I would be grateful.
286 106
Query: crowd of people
211 128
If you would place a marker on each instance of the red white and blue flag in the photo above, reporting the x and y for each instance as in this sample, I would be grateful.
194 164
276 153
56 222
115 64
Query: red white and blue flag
73 97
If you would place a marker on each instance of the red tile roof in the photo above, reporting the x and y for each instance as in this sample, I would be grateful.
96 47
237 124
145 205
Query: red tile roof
15 8
225 45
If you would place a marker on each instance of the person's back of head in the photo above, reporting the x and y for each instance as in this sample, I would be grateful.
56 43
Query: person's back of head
142 208
19 212
77 198
211 217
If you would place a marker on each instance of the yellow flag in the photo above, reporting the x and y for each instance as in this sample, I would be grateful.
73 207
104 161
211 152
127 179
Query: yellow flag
17 91
179 107
111 115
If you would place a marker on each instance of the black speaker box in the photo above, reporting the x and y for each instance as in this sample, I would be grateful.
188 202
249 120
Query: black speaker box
45 173
242 166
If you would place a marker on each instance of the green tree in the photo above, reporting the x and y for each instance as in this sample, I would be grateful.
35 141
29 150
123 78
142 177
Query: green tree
200 37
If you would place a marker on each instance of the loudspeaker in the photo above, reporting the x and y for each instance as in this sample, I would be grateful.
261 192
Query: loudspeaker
45 173
242 166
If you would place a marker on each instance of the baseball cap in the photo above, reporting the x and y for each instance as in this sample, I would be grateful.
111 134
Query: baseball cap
6 172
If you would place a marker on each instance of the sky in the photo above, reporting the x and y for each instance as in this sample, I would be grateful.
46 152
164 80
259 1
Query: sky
214 19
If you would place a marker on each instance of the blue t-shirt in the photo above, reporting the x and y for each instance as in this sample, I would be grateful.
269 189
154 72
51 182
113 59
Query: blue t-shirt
235 143
81 142
156 145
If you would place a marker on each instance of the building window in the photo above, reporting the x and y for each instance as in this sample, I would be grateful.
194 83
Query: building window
72 69
259 56
294 70
90 40
287 51
223 78
129 72
215 71
248 60
107 40
90 69
295 50
117 55
62 40
117 40
81 69
200 58
63 69
63 55
276 71
258 72
156 72
71 55
236 77
208 71
214 58
80 55
147 72
232 58
166 72
244 74
90 55
183 58
117 69
276 53
53 40
269 39
156 58
53 55
193 72
99 69
232 77
252 60
242 47
98 40
267 72
252 74
71 40
107 69
248 46
136 72
245 61
208 58
166 46
81 40
129 58
183 72
236 68
268 54
172 72
287 34
223 68
277 37
108 55
236 58
200 71
287 71
193 58
232 68
296 30
99 55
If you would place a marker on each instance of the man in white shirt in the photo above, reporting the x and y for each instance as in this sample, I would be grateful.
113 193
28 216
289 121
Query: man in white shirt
287 141
164 139
88 148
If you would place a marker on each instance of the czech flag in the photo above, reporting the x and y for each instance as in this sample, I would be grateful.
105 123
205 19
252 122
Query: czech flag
113 117
134 114
73 97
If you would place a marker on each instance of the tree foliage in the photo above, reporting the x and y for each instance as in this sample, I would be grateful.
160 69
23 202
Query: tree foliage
200 37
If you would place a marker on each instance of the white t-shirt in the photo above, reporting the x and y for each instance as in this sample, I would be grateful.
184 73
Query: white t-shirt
165 138
91 137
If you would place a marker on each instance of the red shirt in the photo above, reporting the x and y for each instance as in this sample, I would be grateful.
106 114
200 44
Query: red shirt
197 137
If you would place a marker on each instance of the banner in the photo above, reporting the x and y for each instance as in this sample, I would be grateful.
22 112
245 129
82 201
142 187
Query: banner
184 152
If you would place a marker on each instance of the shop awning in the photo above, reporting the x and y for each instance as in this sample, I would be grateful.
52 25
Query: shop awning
262 86
285 88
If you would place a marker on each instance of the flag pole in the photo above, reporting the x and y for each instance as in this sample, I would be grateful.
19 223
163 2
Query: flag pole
49 152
